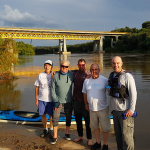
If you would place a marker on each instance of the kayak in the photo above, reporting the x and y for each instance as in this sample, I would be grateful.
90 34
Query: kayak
25 117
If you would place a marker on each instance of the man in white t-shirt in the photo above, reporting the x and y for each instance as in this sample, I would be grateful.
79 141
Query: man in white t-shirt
96 103
43 97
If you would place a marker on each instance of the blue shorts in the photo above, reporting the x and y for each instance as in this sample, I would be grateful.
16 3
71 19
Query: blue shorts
45 108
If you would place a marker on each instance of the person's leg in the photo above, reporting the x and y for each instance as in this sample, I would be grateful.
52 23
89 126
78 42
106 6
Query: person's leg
97 135
78 118
105 137
104 120
118 124
55 131
49 111
50 121
87 124
128 131
94 124
44 120
68 112
67 129
55 119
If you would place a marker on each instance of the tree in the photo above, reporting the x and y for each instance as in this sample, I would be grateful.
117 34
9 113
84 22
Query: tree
8 55
146 25
25 49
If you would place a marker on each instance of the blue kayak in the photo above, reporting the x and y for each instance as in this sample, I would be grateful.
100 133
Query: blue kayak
26 117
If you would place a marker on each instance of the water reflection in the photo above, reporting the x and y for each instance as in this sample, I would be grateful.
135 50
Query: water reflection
23 60
98 59
10 98
62 57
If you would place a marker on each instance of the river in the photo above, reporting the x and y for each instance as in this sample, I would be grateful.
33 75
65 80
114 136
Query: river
20 94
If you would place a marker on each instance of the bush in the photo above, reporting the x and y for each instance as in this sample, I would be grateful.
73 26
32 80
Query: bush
8 55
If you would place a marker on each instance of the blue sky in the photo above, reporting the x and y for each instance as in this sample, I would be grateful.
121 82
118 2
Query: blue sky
92 15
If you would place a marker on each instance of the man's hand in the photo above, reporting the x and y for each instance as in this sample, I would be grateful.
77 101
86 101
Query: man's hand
53 74
37 103
87 107
129 113
89 76
55 108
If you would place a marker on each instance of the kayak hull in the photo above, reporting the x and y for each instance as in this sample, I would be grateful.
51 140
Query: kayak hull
25 117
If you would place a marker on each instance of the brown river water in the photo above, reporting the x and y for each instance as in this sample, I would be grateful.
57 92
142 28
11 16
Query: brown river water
20 94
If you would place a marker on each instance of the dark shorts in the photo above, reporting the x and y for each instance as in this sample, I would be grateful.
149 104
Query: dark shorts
45 108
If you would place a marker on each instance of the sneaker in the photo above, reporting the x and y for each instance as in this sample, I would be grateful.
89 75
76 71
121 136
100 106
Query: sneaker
51 134
96 146
105 147
53 141
67 137
45 132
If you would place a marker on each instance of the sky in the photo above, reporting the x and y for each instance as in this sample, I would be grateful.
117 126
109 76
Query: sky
91 15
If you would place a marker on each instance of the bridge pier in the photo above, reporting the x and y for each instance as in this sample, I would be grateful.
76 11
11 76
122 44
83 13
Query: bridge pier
64 49
98 46
112 41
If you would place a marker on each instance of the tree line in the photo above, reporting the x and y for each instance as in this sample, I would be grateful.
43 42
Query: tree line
9 51
137 41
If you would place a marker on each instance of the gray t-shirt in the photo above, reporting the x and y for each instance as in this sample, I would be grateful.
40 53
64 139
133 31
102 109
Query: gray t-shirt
117 104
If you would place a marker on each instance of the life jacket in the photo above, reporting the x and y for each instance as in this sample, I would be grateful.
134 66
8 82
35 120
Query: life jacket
117 90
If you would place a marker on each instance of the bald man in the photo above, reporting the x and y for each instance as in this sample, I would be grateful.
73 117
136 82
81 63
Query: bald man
123 97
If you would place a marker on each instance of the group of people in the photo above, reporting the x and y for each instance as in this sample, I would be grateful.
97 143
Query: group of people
89 100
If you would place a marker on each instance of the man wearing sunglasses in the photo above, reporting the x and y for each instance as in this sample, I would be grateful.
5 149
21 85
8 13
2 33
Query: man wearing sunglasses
61 89
79 107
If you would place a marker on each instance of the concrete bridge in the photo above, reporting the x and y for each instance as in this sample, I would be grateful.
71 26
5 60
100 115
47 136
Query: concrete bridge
61 35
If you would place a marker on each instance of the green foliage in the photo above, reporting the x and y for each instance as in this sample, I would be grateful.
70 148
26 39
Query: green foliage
135 41
77 48
146 25
126 29
8 55
25 49
44 49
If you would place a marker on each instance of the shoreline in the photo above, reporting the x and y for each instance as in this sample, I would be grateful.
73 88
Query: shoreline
15 137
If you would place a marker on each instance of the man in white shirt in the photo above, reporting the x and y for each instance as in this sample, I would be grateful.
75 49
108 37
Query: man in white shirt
43 97
94 91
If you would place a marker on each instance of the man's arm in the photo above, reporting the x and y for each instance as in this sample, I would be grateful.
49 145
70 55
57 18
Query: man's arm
36 95
53 90
85 101
53 93
132 95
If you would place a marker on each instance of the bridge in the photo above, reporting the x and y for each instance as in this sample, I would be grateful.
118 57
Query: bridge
57 34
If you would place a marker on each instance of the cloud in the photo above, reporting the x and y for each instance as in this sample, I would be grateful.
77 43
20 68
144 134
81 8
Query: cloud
16 18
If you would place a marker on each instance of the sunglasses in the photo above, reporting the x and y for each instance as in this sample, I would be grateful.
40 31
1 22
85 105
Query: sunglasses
81 65
64 66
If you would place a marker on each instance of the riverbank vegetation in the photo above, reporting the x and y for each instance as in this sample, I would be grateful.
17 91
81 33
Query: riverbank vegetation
25 49
8 58
9 51
137 41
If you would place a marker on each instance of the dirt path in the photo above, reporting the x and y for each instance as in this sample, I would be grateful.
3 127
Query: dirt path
22 137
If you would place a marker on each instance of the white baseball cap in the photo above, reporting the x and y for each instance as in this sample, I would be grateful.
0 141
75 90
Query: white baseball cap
48 62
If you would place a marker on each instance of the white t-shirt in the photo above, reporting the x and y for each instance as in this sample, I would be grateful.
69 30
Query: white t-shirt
96 93
44 83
